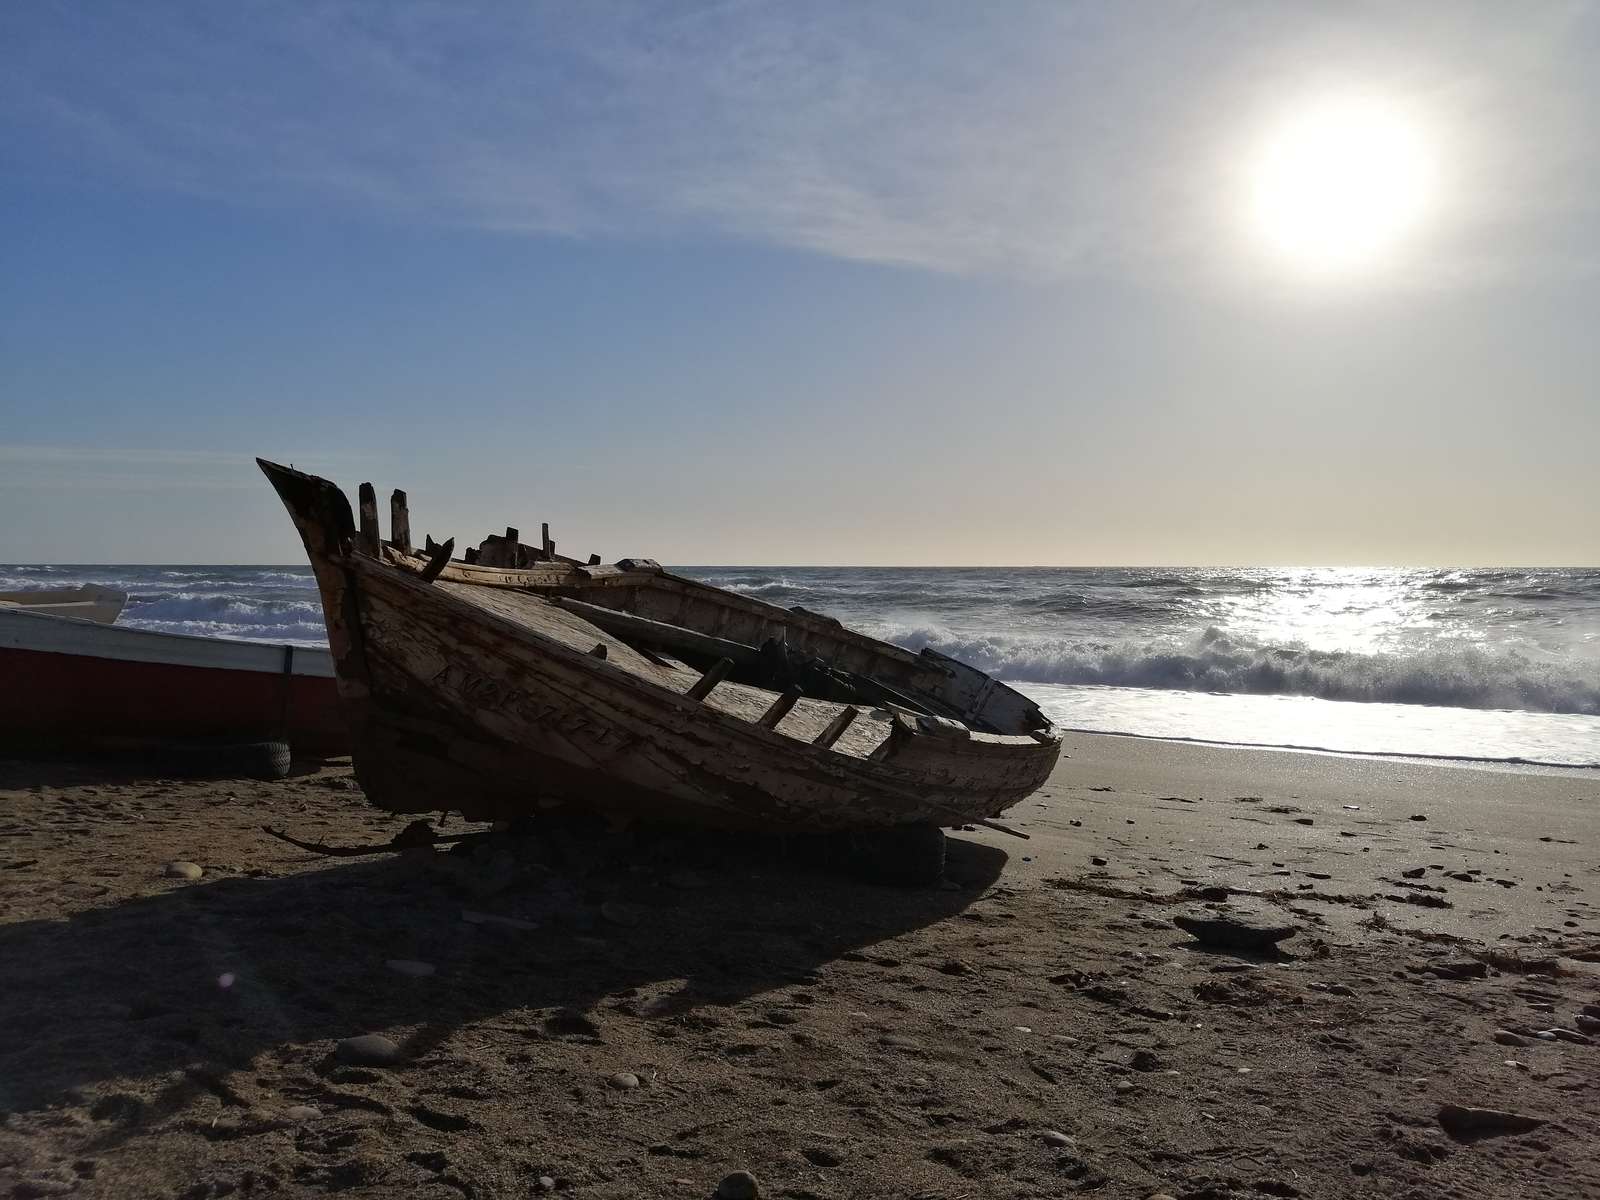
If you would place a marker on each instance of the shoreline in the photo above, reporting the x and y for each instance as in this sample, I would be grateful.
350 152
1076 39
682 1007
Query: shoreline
1510 766
639 1017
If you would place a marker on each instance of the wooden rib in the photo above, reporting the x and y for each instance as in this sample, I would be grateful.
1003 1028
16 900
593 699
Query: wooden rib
599 650
837 726
399 522
718 672
779 708
594 560
999 828
369 519
438 560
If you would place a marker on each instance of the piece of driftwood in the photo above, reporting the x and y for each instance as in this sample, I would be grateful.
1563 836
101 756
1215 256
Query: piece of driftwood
414 835
476 687
399 522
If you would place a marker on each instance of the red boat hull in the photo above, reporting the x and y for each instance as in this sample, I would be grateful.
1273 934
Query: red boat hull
67 682
65 697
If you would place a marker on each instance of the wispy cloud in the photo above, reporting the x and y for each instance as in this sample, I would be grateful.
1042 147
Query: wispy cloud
109 468
1029 138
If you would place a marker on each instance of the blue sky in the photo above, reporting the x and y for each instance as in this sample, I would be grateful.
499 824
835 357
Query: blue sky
920 283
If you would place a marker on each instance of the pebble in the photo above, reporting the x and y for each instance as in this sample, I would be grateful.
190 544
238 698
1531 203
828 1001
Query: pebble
303 1112
1304 821
1418 817
182 869
624 1081
1587 1023
410 966
741 1185
1099 862
547 1183
1124 1086
1506 1038
369 1050
1054 1137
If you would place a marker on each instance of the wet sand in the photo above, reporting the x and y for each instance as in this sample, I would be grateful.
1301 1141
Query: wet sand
657 1013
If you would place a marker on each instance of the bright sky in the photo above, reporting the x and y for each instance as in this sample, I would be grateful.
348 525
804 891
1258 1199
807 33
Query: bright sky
1134 282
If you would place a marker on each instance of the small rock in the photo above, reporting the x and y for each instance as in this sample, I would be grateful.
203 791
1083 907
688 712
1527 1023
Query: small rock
1568 1035
1587 1023
822 1156
303 1112
182 869
1099 862
624 1081
369 1050
1304 821
1506 1038
1054 1137
1234 932
547 1183
410 966
741 1185
1464 1122
1124 1086
1340 989
1144 1060
1418 817
1415 872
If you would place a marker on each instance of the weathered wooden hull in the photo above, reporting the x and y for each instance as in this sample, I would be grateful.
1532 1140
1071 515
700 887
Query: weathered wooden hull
464 702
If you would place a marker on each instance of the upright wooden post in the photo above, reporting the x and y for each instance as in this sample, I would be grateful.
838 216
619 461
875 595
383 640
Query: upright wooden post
399 522
544 538
369 519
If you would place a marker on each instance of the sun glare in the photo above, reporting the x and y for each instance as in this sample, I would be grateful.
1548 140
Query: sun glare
1338 185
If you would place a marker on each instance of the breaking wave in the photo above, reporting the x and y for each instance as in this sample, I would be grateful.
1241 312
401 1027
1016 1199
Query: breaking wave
1458 677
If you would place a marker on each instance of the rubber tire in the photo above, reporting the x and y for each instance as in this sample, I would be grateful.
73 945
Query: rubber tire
224 760
905 856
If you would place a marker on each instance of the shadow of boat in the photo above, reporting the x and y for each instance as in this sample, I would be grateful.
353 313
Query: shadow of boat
131 1008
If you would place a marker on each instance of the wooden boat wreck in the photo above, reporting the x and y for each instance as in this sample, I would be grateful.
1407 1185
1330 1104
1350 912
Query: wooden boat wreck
516 681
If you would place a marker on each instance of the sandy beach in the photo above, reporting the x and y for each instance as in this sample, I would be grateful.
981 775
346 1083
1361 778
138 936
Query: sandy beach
644 1015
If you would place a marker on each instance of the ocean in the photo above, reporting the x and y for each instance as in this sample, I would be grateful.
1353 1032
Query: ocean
1488 665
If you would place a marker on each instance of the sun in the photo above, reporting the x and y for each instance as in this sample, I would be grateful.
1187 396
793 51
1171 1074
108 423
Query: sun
1338 185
